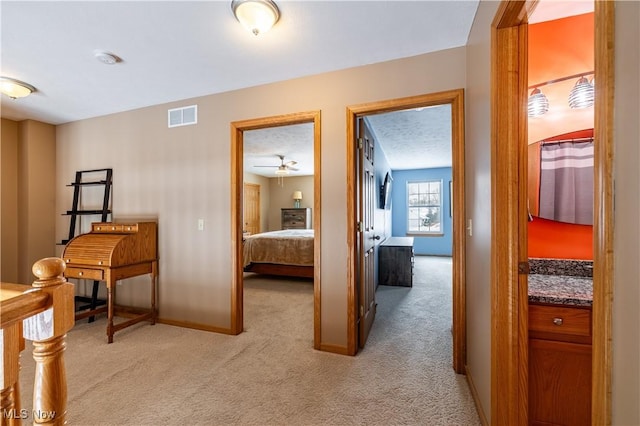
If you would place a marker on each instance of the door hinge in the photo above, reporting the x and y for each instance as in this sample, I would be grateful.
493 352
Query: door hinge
361 310
360 227
523 268
360 143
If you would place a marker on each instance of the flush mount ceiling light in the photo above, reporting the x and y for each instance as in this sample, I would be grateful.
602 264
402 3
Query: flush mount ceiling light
15 88
538 104
258 16
581 96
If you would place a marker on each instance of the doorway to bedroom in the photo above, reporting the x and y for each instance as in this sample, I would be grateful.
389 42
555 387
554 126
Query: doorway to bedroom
434 205
275 225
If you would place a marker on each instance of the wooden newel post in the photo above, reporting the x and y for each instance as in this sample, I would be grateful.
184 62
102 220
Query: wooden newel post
9 389
48 332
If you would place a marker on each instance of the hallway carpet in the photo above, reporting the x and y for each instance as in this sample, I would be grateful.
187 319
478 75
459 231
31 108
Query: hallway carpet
270 374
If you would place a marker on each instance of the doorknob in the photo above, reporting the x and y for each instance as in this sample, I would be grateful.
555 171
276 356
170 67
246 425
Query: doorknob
376 237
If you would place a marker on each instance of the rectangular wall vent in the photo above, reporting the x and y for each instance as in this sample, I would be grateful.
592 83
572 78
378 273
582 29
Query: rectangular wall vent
183 116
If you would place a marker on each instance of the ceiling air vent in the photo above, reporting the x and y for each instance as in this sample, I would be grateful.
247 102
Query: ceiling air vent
183 116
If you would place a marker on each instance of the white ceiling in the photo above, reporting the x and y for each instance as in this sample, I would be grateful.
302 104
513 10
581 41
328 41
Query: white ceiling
175 50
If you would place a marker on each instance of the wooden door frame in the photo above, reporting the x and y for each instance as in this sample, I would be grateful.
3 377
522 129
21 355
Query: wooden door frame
509 310
237 172
456 99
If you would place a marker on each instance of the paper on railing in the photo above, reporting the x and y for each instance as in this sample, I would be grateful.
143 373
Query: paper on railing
39 327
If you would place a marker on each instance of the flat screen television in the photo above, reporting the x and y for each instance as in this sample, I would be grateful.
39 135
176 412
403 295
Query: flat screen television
385 192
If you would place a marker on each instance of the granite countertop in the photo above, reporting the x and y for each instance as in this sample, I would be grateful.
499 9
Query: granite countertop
560 289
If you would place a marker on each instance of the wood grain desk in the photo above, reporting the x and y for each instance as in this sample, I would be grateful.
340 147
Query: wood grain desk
112 252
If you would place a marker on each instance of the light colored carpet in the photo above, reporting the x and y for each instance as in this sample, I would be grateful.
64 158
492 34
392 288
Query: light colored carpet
270 374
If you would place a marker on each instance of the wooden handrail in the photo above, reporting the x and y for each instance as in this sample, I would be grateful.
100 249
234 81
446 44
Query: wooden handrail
43 314
22 307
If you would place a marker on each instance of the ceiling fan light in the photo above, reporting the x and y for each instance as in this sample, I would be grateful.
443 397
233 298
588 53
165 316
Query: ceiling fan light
538 104
15 88
258 16
582 94
282 171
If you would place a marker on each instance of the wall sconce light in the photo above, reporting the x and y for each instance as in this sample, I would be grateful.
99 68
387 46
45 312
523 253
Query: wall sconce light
581 96
258 16
538 104
297 196
15 88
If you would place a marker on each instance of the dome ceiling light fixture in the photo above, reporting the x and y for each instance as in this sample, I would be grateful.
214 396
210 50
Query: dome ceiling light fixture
258 16
581 96
15 88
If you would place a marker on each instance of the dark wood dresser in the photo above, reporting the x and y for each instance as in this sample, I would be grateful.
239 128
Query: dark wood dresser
395 261
296 218
112 252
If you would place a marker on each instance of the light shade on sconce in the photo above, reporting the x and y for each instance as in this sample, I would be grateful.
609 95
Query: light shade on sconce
15 88
582 94
258 16
538 104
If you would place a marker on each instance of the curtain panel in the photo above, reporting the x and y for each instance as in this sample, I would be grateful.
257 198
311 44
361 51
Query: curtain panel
566 182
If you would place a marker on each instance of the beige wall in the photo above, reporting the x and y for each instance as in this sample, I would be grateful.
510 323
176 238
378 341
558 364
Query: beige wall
28 197
9 201
281 197
36 195
626 294
172 174
478 203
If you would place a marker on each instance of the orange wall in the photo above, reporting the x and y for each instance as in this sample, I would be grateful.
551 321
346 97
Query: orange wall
558 49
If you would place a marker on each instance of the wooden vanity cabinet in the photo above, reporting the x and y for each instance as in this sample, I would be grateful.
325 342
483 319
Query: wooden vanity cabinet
559 365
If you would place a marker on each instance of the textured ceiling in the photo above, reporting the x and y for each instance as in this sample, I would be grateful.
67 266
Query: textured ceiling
415 138
262 147
411 139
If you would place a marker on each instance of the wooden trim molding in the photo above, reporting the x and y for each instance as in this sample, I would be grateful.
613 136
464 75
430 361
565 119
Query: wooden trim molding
237 177
603 214
456 99
509 302
509 346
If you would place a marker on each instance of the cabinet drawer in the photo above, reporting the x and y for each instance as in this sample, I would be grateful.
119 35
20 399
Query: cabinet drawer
560 320
86 273
294 224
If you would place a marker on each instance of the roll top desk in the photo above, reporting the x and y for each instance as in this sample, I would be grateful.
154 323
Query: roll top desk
112 252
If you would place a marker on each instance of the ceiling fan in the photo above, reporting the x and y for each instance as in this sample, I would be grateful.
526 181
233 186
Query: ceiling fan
283 168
